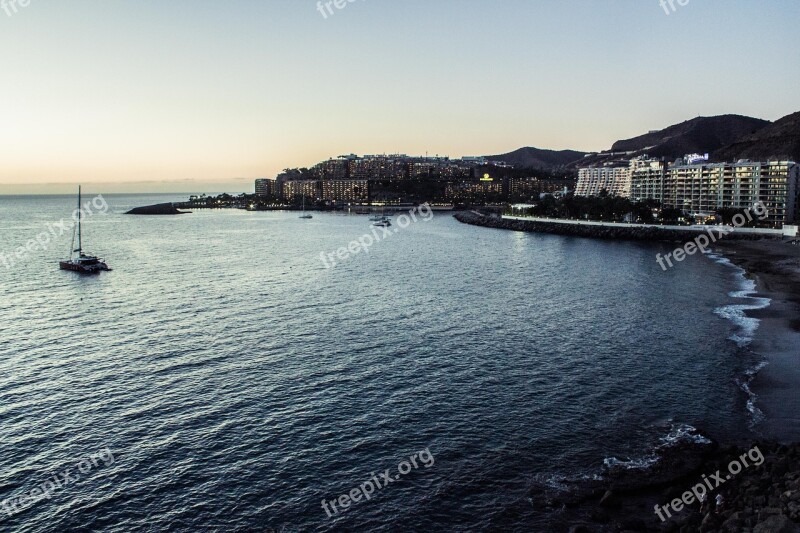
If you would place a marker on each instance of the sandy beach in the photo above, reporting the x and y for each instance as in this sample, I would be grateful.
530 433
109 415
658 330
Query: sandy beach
775 267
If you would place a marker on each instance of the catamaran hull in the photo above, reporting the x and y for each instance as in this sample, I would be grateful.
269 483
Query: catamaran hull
83 269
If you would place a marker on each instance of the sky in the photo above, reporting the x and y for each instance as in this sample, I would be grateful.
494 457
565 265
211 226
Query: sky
195 95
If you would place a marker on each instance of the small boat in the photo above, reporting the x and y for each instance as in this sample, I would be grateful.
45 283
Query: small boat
304 215
83 263
382 219
375 217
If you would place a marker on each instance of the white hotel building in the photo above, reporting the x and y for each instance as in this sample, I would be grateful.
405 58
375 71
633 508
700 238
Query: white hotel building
614 178
698 187
703 188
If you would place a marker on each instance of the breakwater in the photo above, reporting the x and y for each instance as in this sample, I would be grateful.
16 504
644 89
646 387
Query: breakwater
608 231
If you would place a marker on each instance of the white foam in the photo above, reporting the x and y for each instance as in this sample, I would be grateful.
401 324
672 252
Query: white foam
563 483
631 464
756 415
736 313
683 432
677 434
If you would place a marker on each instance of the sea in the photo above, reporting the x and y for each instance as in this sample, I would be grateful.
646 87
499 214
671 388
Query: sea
228 376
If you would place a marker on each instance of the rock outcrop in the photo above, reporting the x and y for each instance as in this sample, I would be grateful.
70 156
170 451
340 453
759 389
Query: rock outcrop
158 209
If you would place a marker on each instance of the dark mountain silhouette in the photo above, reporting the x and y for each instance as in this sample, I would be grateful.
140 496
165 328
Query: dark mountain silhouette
779 140
699 135
538 158
725 137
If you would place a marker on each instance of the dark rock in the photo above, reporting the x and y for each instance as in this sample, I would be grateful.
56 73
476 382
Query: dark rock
634 525
709 523
158 209
600 516
776 524
608 499
733 523
767 512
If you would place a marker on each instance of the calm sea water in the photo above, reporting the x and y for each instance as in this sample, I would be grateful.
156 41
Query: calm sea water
238 382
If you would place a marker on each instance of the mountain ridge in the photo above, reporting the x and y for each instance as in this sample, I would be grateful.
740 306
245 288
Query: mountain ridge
539 158
725 137
779 140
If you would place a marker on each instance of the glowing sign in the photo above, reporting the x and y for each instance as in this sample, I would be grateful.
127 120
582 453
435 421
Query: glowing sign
487 177
694 159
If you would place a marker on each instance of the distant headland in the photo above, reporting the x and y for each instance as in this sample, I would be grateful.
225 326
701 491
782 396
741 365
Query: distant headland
157 209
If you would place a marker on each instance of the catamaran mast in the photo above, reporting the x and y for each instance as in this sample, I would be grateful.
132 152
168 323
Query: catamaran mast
80 216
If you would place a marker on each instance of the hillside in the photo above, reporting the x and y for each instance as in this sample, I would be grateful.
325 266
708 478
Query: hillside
725 137
699 135
538 158
780 139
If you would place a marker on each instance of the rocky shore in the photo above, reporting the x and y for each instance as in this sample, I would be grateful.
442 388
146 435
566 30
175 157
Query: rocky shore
644 233
761 498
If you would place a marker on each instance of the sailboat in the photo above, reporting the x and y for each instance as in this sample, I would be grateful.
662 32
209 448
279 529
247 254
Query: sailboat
382 219
304 215
83 263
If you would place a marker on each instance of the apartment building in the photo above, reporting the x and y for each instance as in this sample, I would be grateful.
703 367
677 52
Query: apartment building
613 178
705 188
345 191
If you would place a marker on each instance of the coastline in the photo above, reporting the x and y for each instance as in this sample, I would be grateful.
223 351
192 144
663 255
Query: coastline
771 304
762 498
629 232
774 266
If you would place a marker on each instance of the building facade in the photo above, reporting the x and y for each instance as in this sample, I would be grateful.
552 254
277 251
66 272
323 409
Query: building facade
474 190
345 191
615 179
705 188
295 190
648 181
267 187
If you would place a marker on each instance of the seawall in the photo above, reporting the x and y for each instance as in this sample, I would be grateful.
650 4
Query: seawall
606 231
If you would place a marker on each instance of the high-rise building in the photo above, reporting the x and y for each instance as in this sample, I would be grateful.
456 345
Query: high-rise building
267 187
524 188
705 188
345 191
474 190
334 169
377 167
648 180
294 190
613 178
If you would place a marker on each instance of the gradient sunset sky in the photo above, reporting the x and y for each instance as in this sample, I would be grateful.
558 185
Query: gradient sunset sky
176 94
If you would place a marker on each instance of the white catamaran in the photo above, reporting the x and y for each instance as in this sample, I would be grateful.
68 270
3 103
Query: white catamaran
82 263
